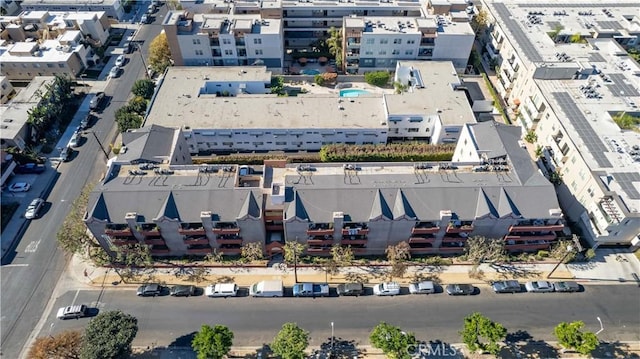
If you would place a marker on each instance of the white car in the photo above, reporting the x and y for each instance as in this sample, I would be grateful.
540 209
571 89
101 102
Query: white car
120 60
425 287
19 187
114 72
73 311
388 288
539 286
33 208
221 290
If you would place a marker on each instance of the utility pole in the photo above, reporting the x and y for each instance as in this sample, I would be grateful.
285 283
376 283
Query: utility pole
295 261
106 155
569 250
146 69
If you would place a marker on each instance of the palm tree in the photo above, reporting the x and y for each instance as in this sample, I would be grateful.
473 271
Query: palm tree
335 45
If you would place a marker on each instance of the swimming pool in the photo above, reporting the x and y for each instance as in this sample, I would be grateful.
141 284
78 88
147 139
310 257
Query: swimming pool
310 72
352 93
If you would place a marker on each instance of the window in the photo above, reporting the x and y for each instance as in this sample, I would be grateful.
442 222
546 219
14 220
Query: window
226 41
199 53
49 65
411 42
281 143
382 52
397 41
395 52
228 52
413 129
369 41
384 41
196 41
257 41
258 52
368 52
408 52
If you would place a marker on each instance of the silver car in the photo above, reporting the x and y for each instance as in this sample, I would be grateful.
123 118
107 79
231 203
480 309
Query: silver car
539 286
506 286
33 208
425 287
566 286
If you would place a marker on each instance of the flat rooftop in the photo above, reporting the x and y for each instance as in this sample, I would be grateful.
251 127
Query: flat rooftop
48 52
69 2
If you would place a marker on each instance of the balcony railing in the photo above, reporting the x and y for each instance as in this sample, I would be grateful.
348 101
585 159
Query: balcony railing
531 228
535 237
229 240
148 230
459 229
320 242
186 230
274 227
230 251
421 240
118 231
423 250
320 232
196 241
205 250
228 230
359 250
123 241
154 241
312 250
451 249
348 242
430 230
159 250
355 231
449 239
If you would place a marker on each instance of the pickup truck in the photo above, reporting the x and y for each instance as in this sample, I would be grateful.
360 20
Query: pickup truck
30 168
311 290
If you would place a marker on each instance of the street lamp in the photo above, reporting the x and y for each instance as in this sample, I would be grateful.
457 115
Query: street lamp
569 250
601 326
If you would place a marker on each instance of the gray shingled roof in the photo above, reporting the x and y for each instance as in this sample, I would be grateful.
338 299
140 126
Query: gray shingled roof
147 144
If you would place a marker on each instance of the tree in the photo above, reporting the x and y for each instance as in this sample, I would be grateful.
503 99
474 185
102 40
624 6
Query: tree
252 251
72 236
479 22
143 88
212 343
290 342
159 53
556 31
397 256
138 105
480 249
127 119
575 38
559 250
477 326
318 80
109 336
531 136
334 43
571 336
377 78
291 250
277 85
393 342
400 87
342 255
65 345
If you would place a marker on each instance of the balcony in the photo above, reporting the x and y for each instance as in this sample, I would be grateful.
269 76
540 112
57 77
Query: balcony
353 242
427 250
533 237
532 228
155 250
453 239
357 231
527 247
450 249
148 230
320 230
359 250
226 230
230 251
229 239
192 229
123 241
274 227
199 250
196 241
421 240
425 230
118 230
312 250
154 241
320 242
464 228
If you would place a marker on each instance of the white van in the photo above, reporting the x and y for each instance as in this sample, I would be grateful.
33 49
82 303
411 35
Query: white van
72 311
266 288
221 290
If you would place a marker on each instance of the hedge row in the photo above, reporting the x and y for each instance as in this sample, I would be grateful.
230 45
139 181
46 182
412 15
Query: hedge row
254 159
395 152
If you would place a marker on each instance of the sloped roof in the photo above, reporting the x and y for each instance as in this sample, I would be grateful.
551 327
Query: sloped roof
380 208
250 207
147 144
169 209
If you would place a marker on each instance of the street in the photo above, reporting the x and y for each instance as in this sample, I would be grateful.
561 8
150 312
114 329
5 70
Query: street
254 321
30 272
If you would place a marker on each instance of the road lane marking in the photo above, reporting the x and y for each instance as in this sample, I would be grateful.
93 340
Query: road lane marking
17 265
32 247
75 297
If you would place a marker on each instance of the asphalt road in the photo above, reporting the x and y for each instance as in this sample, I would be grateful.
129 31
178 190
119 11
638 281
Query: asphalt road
31 273
254 321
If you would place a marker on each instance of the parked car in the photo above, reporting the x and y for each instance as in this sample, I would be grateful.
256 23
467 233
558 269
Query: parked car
460 289
86 122
145 19
96 101
33 208
127 48
19 187
151 9
540 286
65 154
506 286
566 286
387 288
120 60
30 168
425 287
75 140
73 311
149 290
221 290
311 290
350 289
114 72
182 290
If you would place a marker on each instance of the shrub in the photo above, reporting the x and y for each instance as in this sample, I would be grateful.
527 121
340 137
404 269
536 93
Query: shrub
318 80
543 254
143 88
396 152
377 78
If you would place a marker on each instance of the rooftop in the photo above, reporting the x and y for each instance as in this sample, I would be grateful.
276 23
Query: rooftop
48 51
69 2
15 113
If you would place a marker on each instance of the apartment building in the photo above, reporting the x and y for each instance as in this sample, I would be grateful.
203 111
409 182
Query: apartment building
230 109
113 8
564 73
7 92
10 7
14 130
47 25
224 40
22 61
493 190
398 30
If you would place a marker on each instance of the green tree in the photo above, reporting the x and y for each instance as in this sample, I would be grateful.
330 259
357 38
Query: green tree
477 327
531 136
212 343
291 250
571 336
290 342
277 85
342 255
393 342
143 88
65 345
334 43
377 78
138 105
72 236
127 119
480 249
397 255
575 38
252 251
159 53
109 336
479 22
555 33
